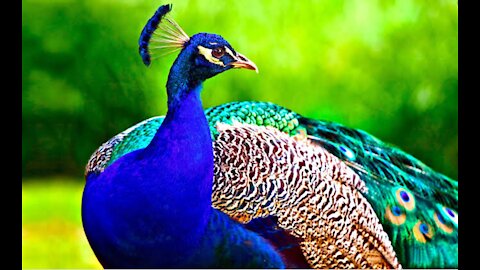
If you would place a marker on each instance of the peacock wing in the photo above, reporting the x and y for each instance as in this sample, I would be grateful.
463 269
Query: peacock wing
416 205
136 137
262 172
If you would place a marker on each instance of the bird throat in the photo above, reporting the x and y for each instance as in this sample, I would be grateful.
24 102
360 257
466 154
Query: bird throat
182 147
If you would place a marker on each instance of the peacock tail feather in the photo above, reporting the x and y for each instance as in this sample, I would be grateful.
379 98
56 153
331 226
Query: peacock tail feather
347 199
416 205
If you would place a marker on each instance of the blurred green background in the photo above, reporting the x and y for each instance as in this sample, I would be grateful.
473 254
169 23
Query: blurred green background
387 67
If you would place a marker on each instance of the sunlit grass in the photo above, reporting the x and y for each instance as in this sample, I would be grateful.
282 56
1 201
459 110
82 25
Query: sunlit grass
52 232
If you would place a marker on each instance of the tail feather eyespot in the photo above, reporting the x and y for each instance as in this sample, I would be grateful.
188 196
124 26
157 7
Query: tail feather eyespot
405 198
451 214
395 215
442 223
422 232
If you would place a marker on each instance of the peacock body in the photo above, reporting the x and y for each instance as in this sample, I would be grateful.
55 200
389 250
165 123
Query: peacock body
253 184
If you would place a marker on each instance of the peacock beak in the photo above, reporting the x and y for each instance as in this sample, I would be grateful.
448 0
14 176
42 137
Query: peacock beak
243 62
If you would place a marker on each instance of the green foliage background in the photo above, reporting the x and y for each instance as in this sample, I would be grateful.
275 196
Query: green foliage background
387 67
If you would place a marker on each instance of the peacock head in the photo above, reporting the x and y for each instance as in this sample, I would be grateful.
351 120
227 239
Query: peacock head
202 55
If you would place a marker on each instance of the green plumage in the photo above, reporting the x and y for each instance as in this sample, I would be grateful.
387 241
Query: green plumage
416 205
256 113
385 169
140 135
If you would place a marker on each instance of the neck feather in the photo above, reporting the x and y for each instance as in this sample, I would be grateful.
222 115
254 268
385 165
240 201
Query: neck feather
180 161
180 81
185 121
182 147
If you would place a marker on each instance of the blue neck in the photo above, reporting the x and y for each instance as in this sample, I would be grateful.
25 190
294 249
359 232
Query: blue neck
185 122
180 169
182 152
180 81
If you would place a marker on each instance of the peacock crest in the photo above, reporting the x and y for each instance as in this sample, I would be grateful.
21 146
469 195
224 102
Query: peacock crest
161 36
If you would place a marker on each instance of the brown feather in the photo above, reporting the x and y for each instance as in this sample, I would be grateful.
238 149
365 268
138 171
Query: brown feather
260 171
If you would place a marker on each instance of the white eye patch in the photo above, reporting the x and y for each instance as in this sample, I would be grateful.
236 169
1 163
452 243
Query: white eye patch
207 53
227 50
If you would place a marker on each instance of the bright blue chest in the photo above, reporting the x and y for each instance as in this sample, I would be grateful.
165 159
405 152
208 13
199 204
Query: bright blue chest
149 200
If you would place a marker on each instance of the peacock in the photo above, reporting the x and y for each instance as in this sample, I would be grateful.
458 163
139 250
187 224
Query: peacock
256 185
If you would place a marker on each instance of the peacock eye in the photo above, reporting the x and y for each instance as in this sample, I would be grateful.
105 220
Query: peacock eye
218 52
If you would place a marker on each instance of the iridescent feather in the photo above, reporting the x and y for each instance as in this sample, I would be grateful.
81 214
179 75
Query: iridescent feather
414 205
